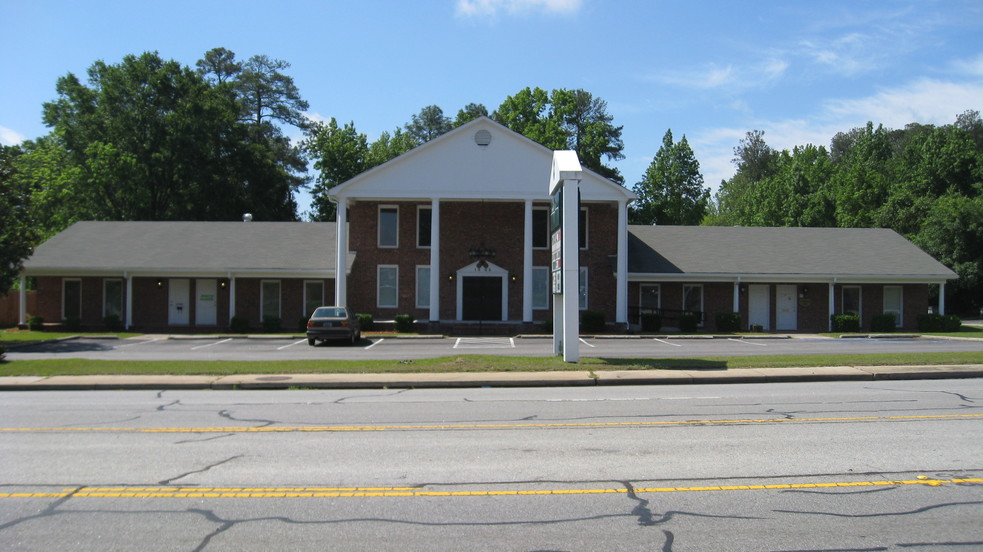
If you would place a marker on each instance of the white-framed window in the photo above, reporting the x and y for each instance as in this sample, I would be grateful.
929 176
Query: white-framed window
423 286
387 278
693 299
424 222
650 297
112 298
313 296
582 229
269 298
893 303
540 227
582 285
71 298
388 226
851 300
541 287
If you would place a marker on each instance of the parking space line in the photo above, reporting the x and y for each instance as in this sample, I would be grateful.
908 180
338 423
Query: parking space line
484 343
210 344
585 343
374 343
291 344
140 343
666 342
744 341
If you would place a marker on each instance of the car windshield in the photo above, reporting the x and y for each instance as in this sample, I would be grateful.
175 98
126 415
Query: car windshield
330 312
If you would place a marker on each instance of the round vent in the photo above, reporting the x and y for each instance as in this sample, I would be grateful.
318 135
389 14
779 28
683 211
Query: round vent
482 137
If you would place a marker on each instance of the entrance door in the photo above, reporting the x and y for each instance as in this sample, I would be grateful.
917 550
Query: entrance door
787 315
177 302
482 298
759 307
205 307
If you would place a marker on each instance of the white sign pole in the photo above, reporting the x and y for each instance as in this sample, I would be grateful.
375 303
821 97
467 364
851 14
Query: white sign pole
565 177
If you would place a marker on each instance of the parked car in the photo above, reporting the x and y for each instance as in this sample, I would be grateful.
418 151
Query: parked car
337 323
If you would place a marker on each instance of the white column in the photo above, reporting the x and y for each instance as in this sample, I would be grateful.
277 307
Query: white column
527 264
621 294
571 271
435 260
942 298
832 303
341 255
22 309
737 295
129 300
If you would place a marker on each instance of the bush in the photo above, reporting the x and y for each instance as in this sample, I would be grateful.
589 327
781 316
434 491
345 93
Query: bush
592 321
688 323
651 322
951 323
883 323
112 323
366 321
73 324
728 321
239 324
846 323
404 323
930 322
35 323
271 324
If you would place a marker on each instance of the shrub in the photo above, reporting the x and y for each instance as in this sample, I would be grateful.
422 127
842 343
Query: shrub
930 322
883 323
366 321
592 321
271 324
688 323
112 323
73 324
728 321
951 323
239 324
846 323
35 323
651 322
404 323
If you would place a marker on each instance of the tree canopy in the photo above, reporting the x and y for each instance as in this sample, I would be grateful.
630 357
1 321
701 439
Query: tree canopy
17 231
671 191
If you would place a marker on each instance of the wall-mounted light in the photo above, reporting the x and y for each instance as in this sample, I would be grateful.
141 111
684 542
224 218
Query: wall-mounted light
450 277
223 284
514 277
160 283
805 291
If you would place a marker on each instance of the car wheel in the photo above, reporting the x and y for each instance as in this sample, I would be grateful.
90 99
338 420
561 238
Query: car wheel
311 342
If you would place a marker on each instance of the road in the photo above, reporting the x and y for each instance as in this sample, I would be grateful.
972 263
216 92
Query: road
382 348
837 466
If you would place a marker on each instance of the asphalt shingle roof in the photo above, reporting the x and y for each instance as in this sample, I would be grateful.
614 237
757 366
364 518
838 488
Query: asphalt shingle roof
755 250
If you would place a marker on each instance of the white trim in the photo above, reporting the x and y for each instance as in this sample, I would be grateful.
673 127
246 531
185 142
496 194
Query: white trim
262 299
341 254
781 278
378 220
426 285
528 239
63 282
621 271
378 287
22 306
491 271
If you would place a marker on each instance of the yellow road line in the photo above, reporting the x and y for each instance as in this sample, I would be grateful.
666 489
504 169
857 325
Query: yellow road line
317 429
383 492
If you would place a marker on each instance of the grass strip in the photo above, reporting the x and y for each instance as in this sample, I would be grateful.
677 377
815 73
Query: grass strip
467 363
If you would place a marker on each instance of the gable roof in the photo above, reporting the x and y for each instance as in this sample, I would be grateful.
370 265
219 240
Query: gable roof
454 166
163 248
788 253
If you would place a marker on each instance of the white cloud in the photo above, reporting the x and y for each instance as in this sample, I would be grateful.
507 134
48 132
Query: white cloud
491 8
972 67
710 77
10 137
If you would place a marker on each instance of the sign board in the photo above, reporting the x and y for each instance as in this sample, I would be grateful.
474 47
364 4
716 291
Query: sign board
565 175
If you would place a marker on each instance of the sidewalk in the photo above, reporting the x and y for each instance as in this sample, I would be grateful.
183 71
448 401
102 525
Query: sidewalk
492 379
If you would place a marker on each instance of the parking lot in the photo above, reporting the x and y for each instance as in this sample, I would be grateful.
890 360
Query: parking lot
392 348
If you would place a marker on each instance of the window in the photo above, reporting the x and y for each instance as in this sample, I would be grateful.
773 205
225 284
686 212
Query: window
650 298
582 284
423 287
112 298
313 296
387 278
540 287
71 299
269 299
582 229
851 300
893 303
693 300
424 220
388 227
540 228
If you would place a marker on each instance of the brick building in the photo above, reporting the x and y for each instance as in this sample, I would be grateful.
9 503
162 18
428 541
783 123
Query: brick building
456 233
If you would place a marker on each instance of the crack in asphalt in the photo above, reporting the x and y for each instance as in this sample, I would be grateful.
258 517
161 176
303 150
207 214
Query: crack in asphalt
50 510
884 514
203 470
186 441
228 416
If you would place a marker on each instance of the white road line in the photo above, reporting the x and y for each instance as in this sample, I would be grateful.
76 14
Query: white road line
381 339
140 343
210 344
666 342
292 344
585 343
746 342
484 343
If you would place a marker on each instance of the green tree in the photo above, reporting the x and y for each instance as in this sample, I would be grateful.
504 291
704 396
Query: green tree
469 113
671 192
17 230
339 154
952 232
46 171
428 124
736 199
390 146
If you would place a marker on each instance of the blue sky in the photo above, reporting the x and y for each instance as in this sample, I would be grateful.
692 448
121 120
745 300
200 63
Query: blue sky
712 70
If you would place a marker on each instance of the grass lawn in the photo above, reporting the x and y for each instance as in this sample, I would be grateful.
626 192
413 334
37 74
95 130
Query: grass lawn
13 335
465 363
